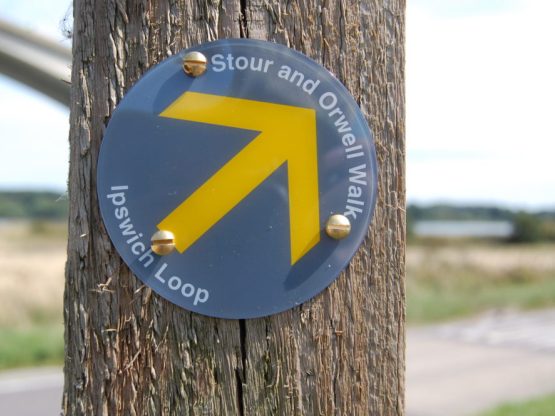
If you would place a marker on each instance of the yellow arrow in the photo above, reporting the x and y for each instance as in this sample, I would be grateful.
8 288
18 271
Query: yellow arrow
287 134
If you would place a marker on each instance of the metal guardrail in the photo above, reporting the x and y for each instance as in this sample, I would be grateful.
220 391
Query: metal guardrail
37 62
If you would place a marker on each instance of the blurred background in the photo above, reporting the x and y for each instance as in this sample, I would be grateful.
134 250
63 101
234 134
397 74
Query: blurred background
481 207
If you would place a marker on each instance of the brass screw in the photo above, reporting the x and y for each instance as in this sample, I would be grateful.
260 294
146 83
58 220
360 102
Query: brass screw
194 64
338 227
162 242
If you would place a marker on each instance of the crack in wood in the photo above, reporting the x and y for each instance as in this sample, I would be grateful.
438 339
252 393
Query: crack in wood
242 379
243 22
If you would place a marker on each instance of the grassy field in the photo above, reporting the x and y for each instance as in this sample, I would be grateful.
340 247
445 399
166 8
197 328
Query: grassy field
32 259
445 280
451 279
544 406
38 344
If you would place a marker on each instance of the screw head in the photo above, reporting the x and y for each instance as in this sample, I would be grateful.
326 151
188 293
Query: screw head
162 242
338 227
194 64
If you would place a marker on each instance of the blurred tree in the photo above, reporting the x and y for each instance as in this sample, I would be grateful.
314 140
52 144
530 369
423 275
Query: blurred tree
527 228
130 352
33 205
548 229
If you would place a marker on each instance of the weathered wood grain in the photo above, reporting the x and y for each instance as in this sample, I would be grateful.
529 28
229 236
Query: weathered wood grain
129 352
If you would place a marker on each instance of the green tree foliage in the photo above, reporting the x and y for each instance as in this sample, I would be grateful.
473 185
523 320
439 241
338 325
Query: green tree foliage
527 228
33 205
445 212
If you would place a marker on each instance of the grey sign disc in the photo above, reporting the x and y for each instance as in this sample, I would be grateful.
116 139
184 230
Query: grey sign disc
243 166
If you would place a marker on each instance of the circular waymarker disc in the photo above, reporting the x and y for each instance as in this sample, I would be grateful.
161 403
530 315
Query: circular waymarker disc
240 167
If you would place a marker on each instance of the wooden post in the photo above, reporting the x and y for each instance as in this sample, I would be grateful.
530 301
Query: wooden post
130 352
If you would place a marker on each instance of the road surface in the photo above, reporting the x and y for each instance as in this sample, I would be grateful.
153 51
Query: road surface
462 368
31 392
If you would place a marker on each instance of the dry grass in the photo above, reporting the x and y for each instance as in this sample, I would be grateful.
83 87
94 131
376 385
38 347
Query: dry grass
493 259
449 279
32 260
